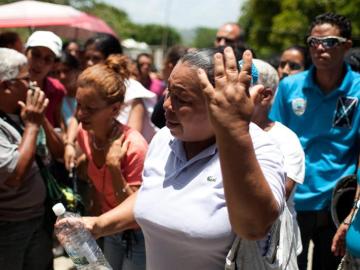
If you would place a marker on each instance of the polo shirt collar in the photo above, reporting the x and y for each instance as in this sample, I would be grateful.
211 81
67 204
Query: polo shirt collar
178 150
344 86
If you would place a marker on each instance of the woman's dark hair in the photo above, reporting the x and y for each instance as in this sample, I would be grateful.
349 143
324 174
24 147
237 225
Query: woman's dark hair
8 38
352 57
105 43
340 21
69 60
204 59
305 53
68 42
174 53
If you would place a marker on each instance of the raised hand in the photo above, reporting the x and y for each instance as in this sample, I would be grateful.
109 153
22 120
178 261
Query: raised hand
32 112
116 152
229 103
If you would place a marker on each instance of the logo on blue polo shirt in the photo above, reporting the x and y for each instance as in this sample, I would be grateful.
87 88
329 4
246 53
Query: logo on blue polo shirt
211 178
345 108
299 106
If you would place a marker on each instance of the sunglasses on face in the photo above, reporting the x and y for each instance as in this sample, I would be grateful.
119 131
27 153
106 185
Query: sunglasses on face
292 65
327 42
227 40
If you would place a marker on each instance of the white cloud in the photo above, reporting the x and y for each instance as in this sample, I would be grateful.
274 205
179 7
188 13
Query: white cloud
181 13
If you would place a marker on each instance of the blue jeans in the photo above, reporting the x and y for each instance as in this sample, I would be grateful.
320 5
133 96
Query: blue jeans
25 245
123 257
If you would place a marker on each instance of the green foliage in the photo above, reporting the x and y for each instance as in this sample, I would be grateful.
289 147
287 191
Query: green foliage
273 25
154 34
117 19
204 37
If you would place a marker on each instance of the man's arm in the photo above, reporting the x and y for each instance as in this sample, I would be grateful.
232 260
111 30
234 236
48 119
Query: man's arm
32 113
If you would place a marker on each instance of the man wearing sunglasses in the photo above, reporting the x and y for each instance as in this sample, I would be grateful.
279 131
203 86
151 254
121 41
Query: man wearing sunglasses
321 105
229 34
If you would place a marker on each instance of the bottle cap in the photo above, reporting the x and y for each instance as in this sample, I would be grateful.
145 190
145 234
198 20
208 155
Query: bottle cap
59 209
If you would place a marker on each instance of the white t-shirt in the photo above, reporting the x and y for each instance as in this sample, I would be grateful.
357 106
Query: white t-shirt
181 206
135 90
294 163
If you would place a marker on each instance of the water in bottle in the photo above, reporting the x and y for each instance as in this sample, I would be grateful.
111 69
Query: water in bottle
78 242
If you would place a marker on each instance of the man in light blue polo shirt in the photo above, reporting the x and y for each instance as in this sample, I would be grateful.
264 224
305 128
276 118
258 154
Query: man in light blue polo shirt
321 106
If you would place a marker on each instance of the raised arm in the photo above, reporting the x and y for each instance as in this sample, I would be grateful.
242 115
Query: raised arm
251 204
32 113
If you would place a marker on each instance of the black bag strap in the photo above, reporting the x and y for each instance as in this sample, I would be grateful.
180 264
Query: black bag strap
19 129
11 122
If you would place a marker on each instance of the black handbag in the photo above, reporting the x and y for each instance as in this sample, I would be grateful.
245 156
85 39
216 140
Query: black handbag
343 198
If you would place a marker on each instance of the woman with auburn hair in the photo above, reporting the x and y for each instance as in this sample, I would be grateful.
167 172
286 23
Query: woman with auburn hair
115 152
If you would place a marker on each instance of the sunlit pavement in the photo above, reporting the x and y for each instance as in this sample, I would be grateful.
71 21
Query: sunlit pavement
63 263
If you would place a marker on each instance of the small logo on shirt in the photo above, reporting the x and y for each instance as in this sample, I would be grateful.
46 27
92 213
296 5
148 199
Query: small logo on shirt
345 109
298 106
211 179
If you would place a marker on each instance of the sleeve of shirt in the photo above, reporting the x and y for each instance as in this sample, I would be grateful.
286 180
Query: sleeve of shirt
134 161
278 108
295 161
271 161
9 157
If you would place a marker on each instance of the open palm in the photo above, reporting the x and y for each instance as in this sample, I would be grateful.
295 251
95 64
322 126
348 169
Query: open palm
229 102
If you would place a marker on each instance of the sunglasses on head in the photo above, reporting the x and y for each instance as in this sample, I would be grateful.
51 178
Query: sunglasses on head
227 40
292 65
327 42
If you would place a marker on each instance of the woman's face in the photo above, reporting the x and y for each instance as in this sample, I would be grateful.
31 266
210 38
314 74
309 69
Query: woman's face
291 62
92 56
41 61
92 111
185 108
68 77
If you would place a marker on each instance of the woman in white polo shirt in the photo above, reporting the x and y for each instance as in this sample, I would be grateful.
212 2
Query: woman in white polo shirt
208 151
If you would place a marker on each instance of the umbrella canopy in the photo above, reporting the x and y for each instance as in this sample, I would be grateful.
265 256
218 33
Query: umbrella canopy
65 21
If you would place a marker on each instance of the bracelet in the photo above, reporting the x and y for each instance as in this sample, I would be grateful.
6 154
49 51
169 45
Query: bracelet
69 143
346 223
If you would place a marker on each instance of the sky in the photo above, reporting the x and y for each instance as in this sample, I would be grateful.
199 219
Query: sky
182 14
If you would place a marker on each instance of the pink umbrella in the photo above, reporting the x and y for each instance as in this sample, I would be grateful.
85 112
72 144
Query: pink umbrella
63 20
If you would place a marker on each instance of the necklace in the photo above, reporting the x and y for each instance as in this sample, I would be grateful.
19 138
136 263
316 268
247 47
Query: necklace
114 134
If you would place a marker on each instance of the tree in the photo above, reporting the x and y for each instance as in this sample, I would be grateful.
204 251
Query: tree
154 34
117 19
204 37
272 25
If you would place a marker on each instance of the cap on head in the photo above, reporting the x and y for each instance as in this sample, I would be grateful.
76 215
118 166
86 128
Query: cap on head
45 39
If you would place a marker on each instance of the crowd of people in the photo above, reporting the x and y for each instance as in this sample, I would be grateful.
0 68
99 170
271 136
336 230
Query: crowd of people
220 158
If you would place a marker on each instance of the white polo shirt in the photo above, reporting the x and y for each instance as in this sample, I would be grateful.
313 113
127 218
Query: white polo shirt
181 206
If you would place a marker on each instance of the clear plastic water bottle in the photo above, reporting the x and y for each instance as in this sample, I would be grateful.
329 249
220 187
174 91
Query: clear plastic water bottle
79 243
